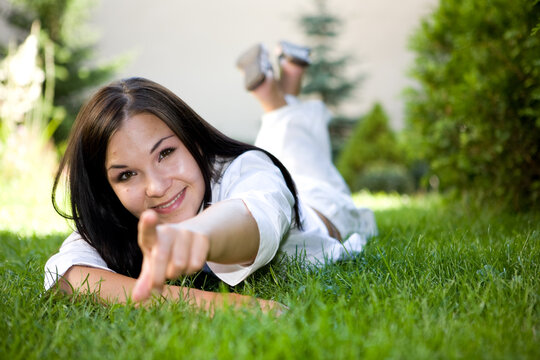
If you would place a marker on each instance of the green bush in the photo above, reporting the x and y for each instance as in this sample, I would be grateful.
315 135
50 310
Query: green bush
477 106
383 177
372 141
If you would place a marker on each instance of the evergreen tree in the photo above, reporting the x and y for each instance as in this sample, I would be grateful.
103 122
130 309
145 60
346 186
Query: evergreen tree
62 23
325 76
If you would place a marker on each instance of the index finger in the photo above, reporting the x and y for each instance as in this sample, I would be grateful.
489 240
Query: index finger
147 234
143 286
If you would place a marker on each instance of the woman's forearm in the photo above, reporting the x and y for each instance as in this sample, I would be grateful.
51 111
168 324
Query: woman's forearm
232 230
110 287
115 288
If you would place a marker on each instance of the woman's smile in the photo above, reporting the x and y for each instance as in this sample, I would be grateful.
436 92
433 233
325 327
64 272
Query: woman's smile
170 205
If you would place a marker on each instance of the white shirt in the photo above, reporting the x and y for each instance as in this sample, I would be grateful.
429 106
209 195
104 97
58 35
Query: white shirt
254 179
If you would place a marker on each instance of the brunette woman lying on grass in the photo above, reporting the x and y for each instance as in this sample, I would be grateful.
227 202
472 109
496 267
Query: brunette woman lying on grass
156 192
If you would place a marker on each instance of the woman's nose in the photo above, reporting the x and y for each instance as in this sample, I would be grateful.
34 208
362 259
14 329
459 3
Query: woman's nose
156 186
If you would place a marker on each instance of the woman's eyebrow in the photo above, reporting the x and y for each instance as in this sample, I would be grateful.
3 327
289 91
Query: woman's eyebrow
151 151
159 142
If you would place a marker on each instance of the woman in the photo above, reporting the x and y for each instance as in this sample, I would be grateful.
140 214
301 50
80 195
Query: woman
156 192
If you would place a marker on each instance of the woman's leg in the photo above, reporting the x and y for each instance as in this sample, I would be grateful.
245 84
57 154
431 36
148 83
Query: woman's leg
256 66
269 94
296 132
291 75
293 61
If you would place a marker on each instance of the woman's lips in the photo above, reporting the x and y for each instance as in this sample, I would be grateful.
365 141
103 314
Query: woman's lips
170 205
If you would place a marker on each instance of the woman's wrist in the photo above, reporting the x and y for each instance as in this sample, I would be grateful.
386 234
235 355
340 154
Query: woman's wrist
231 231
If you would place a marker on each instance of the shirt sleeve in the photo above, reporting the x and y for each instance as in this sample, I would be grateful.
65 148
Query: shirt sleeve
253 178
74 251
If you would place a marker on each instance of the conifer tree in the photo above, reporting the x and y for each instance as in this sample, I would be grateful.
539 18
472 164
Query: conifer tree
326 75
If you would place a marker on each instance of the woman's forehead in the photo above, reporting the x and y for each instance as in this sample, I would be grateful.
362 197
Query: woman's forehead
141 132
143 124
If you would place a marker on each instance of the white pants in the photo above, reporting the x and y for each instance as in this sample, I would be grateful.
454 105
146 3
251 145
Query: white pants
297 135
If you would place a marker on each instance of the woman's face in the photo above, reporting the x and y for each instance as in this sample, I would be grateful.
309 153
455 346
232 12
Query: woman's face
148 167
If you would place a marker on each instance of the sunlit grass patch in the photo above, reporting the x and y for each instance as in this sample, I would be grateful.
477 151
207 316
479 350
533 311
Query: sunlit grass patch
26 208
27 169
386 201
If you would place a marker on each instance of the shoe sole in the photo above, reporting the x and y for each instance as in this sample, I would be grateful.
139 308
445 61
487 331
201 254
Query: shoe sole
296 54
249 63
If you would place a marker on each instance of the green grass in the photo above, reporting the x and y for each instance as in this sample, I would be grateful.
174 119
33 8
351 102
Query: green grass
439 281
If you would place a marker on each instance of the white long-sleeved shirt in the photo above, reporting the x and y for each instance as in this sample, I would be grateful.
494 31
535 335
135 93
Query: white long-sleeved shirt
253 178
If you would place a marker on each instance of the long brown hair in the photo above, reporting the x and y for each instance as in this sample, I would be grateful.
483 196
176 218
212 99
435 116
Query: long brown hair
99 216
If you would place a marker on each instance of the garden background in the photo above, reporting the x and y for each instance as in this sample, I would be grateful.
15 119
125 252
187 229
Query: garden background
455 188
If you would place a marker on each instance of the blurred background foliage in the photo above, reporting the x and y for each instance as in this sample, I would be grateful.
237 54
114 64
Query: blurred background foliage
76 71
475 115
472 118
29 158
45 73
367 151
372 158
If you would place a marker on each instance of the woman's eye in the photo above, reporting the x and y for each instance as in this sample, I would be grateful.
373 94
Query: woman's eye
164 153
125 175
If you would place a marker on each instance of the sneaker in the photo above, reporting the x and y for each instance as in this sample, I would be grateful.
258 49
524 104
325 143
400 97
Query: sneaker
256 66
294 53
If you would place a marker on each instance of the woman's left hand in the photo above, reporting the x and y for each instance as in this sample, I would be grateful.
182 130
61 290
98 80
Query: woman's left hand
169 250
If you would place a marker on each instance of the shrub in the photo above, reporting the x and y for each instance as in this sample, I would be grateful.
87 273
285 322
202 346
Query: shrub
477 104
372 141
384 177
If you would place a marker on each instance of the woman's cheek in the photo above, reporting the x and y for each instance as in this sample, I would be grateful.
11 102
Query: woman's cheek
133 203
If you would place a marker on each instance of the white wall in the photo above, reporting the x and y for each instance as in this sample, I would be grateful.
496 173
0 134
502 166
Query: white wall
191 47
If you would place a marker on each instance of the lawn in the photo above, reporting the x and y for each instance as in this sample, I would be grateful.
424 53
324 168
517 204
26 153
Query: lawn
440 281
